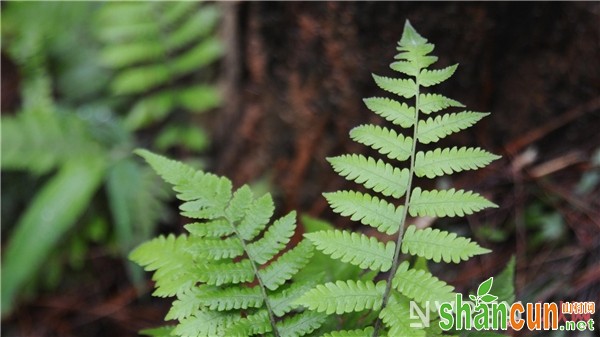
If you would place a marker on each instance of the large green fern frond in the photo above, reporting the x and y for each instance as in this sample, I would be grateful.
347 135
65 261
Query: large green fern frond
225 274
394 196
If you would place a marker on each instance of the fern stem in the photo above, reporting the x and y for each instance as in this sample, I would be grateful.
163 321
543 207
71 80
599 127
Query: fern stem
261 284
395 262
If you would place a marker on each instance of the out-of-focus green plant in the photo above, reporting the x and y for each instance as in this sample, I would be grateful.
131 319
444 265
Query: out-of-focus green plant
69 139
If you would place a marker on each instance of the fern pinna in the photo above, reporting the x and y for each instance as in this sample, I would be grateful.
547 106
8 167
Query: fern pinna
397 196
230 274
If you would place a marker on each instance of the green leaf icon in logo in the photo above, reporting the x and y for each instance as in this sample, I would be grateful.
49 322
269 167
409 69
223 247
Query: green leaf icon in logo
487 298
473 298
485 287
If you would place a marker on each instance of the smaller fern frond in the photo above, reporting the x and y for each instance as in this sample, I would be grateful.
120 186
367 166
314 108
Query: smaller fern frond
406 88
301 324
393 111
344 296
446 203
429 103
203 323
374 174
369 210
274 240
285 300
286 266
421 286
231 298
449 160
395 318
433 129
218 273
384 140
253 324
217 249
211 229
257 217
437 245
428 77
357 249
351 333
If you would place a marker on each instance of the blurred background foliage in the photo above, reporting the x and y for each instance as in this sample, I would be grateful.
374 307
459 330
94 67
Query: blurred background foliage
102 80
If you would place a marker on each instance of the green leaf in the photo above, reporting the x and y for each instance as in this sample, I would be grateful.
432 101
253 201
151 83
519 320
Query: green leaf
446 203
256 218
164 331
218 273
434 129
488 298
354 248
449 160
203 324
421 286
408 68
406 88
274 240
410 37
504 283
437 245
428 77
377 175
253 324
53 212
351 333
187 303
230 298
369 210
485 287
384 140
397 318
216 249
283 301
429 103
140 79
393 111
300 324
286 266
341 297
211 229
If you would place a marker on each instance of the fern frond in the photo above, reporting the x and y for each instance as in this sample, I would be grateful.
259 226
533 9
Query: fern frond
341 297
301 324
405 67
437 245
286 266
434 129
217 249
406 88
218 273
211 229
429 103
253 324
428 77
351 333
284 300
274 240
374 174
169 257
396 318
256 218
384 140
357 249
204 324
446 203
421 286
393 111
231 298
239 204
186 304
369 210
449 160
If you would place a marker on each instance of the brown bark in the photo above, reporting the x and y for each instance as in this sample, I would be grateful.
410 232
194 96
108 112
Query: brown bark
297 73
